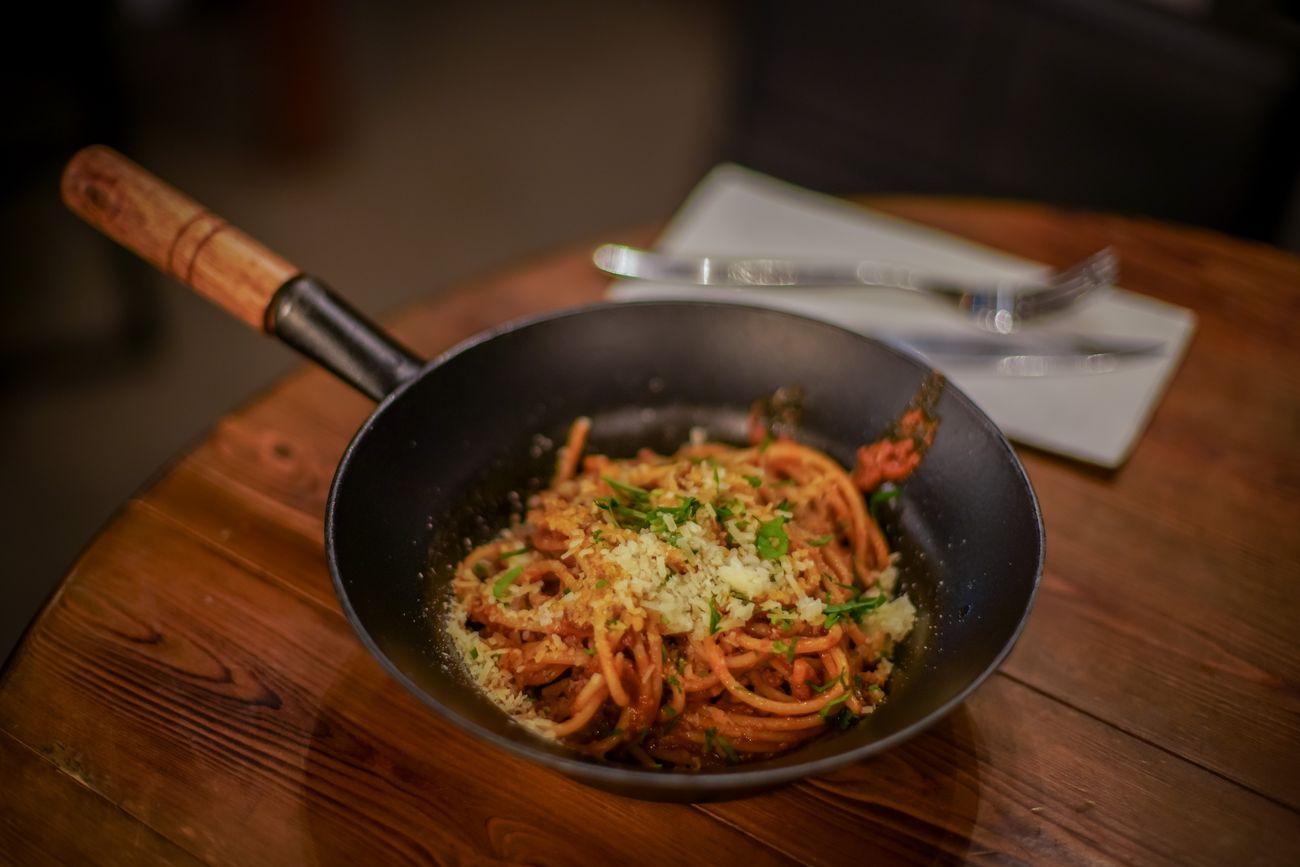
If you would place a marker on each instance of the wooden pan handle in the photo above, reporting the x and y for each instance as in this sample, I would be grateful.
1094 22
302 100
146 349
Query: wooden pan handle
181 238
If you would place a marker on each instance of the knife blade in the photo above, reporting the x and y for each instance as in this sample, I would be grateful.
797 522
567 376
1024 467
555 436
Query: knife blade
1045 355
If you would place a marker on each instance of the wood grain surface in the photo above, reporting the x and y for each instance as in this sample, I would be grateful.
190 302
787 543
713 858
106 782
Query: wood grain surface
193 693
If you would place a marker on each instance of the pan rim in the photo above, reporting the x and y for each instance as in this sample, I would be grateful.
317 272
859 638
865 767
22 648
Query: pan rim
702 783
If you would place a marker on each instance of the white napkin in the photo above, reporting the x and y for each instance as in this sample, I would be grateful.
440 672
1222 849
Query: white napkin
1092 417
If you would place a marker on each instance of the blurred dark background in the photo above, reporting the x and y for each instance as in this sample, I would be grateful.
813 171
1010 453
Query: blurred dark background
398 148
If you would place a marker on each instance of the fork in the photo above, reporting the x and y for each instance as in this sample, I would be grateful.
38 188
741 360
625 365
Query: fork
1000 306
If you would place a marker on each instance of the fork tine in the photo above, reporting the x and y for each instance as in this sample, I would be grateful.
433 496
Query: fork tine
1097 271
1101 266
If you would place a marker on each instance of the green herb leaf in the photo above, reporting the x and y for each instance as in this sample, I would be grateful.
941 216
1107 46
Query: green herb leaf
601 583
508 554
821 540
772 542
481 569
714 617
754 481
845 719
681 513
590 651
839 678
473 653
595 537
855 608
780 618
670 711
502 584
638 496
727 749
878 499
825 712
709 735
768 439
789 648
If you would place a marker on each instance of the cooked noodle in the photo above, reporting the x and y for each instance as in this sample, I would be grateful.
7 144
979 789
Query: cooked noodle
718 605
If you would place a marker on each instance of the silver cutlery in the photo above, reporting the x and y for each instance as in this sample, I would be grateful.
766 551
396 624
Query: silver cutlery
1046 355
999 306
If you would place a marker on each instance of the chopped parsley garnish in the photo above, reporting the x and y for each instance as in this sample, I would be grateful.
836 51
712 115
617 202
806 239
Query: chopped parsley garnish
640 515
502 585
878 499
845 719
727 749
709 735
772 542
821 540
828 684
473 653
855 608
786 647
620 514
515 553
601 583
681 513
781 618
768 439
714 617
825 712
595 537
481 569
632 492
754 481
590 651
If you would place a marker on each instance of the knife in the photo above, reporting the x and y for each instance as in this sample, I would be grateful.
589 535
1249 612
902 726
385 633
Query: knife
1046 355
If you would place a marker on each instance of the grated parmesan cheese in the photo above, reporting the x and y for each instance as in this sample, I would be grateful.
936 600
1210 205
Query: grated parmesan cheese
694 551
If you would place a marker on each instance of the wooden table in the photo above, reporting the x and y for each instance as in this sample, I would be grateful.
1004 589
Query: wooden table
193 694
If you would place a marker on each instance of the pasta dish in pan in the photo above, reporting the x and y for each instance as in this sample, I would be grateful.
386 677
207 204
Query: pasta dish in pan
714 606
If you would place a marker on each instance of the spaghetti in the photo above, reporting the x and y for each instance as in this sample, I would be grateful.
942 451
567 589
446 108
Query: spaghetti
718 605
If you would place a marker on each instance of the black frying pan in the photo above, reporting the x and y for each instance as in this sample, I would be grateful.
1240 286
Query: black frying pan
456 442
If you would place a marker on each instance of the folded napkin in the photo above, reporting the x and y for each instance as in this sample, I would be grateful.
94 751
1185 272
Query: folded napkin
1091 417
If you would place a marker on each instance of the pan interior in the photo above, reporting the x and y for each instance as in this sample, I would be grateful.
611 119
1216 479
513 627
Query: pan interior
442 467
